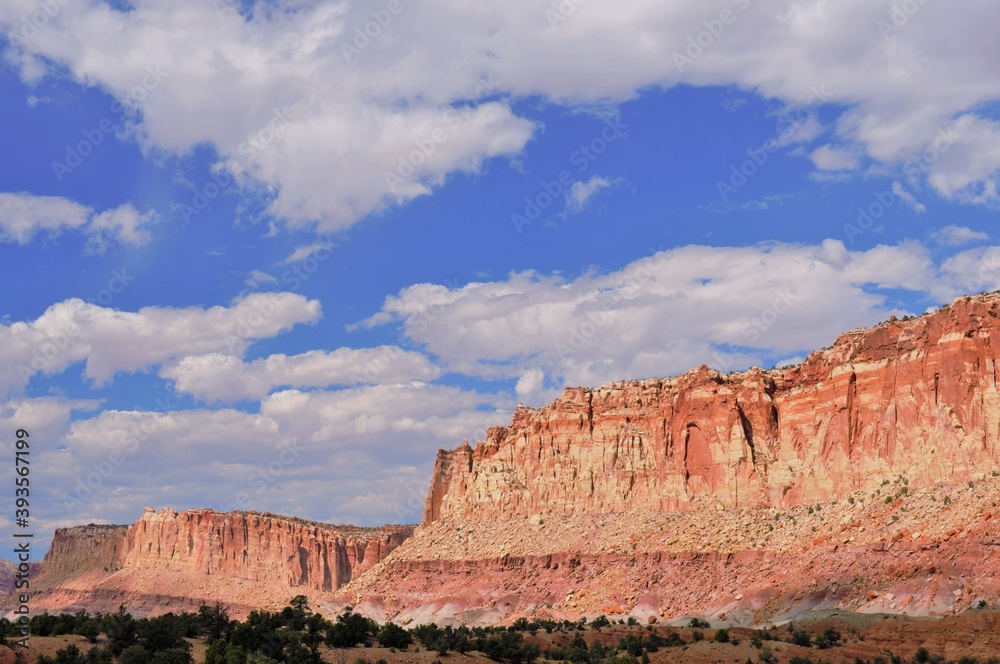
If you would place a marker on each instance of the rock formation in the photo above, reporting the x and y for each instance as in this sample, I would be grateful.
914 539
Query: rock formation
915 398
170 559
866 478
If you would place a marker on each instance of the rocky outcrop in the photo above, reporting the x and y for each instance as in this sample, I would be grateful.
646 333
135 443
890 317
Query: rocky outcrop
916 398
867 478
85 549
292 552
167 559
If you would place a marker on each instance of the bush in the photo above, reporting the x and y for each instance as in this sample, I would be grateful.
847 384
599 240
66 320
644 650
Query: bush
213 622
164 632
393 636
721 636
88 628
134 655
172 656
121 631
828 639
69 655
599 622
350 630
99 656
698 622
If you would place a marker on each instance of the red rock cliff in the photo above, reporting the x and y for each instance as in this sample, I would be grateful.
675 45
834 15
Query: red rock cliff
170 561
916 398
257 547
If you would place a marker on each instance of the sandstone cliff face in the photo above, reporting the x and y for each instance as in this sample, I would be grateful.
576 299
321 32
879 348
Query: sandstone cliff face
85 549
914 398
168 560
296 553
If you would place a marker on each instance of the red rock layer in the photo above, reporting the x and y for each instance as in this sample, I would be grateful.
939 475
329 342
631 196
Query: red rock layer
916 398
257 547
169 560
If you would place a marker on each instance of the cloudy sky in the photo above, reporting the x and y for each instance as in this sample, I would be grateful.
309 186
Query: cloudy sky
273 256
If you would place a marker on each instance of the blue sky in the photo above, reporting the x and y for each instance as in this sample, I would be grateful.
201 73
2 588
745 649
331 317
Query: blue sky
413 238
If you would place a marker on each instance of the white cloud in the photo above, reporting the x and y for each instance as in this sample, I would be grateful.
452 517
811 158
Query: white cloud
111 341
123 224
257 278
278 98
954 236
579 195
972 271
659 315
322 455
23 216
908 199
828 158
221 377
305 251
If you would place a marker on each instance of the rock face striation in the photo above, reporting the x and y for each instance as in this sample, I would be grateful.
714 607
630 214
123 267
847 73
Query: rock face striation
241 558
866 478
916 398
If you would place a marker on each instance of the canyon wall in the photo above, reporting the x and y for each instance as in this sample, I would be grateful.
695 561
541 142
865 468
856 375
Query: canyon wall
295 553
915 398
168 561
866 478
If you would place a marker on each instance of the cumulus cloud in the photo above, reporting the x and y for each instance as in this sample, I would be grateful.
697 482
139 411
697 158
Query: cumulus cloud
579 196
829 158
221 377
954 236
123 224
338 125
109 341
257 278
909 200
972 271
324 455
23 216
304 252
659 315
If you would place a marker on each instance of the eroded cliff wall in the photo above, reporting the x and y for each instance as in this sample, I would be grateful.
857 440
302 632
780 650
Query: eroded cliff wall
169 561
916 398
